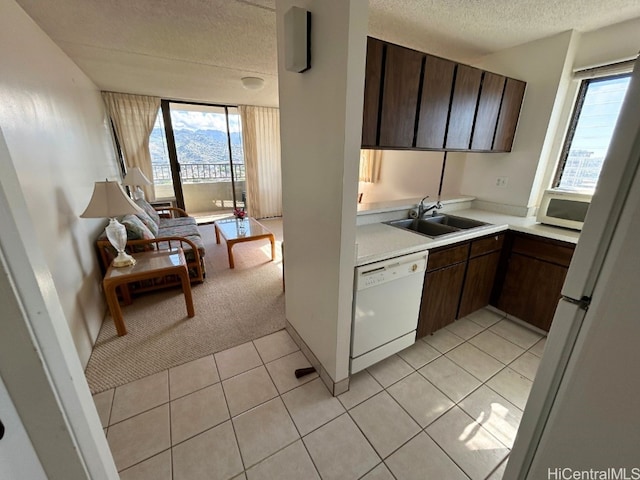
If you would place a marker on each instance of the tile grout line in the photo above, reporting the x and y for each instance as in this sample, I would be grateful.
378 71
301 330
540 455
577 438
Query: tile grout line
376 466
233 427
301 438
170 424
455 404
279 395
403 409
347 411
498 466
422 430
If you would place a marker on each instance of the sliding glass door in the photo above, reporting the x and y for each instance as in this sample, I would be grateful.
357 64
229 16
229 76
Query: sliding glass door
204 166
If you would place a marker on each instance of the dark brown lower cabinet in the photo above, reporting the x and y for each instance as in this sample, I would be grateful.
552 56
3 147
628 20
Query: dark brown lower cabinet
478 283
459 280
440 298
530 285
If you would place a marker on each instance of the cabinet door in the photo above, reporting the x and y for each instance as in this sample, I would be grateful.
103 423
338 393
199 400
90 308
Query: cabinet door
403 68
437 82
531 290
509 113
478 283
440 298
488 108
372 84
463 107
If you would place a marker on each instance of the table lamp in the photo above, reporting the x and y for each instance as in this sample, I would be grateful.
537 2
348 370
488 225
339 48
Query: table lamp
135 178
110 201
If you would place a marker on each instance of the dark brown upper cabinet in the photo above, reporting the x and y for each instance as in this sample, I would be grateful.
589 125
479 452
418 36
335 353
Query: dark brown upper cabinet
509 113
488 110
372 83
417 101
401 85
437 82
463 107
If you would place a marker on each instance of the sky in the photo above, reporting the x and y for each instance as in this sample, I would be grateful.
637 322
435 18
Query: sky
189 120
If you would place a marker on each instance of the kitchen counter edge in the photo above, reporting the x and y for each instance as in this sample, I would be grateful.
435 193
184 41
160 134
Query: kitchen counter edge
376 242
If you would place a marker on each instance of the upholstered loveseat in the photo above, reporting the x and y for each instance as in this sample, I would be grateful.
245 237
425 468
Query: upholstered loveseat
159 228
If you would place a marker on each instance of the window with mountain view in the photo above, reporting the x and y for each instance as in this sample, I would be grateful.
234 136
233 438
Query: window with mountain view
594 118
208 147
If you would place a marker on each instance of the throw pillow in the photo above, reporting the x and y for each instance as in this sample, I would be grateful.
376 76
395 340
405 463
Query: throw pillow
143 204
136 230
148 222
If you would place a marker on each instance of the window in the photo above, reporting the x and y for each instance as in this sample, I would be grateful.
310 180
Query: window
594 118
207 144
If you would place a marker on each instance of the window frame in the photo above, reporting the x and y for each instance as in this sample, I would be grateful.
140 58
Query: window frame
575 117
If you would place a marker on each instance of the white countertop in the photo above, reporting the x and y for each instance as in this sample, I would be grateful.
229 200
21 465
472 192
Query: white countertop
378 241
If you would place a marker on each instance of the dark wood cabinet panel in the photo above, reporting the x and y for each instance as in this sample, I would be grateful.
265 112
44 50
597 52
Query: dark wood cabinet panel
417 101
447 256
530 277
543 249
509 113
463 107
372 84
478 283
531 290
488 109
440 297
437 82
484 245
402 72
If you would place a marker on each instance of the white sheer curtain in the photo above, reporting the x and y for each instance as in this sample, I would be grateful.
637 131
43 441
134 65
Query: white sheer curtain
261 141
370 165
133 117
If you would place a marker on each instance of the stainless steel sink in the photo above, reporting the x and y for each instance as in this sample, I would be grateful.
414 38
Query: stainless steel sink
438 225
453 221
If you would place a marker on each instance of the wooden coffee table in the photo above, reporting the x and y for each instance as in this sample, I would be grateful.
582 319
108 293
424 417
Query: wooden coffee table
149 265
230 229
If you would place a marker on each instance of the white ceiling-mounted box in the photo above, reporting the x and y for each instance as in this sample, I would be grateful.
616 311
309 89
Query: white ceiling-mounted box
297 39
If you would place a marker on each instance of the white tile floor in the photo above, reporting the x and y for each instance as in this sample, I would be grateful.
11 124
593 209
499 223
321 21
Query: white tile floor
447 407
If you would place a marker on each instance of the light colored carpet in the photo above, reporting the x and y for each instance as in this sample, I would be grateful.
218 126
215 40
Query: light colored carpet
231 306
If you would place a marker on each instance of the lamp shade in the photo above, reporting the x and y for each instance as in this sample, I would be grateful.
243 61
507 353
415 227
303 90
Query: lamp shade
108 201
135 177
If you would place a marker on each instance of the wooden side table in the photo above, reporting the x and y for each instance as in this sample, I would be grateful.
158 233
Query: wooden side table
149 265
230 229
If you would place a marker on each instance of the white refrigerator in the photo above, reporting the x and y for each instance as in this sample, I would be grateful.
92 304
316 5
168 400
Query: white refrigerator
583 412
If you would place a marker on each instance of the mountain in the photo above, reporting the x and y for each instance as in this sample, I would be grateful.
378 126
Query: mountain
196 146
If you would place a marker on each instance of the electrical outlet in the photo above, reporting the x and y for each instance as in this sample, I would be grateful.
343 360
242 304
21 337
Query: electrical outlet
501 181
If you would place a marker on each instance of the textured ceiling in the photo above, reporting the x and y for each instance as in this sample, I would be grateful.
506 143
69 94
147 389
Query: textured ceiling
199 49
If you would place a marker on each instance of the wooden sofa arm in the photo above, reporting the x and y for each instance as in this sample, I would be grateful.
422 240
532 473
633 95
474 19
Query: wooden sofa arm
172 212
195 264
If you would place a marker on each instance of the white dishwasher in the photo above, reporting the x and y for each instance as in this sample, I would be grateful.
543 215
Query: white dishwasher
386 304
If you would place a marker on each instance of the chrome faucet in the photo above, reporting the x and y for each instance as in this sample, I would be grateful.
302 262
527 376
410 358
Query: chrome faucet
422 210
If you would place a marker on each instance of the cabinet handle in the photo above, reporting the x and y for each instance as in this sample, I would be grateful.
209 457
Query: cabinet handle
1 430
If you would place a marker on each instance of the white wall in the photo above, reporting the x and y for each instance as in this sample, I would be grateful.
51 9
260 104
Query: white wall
404 174
321 128
39 364
60 143
546 65
608 45
541 64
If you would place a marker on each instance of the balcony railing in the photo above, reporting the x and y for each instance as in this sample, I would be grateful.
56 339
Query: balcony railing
199 173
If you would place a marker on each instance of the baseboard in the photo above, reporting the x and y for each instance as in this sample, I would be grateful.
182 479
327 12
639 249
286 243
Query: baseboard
335 388
517 320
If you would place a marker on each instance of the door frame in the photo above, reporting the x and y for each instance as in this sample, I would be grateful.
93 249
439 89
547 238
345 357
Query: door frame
172 152
39 363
